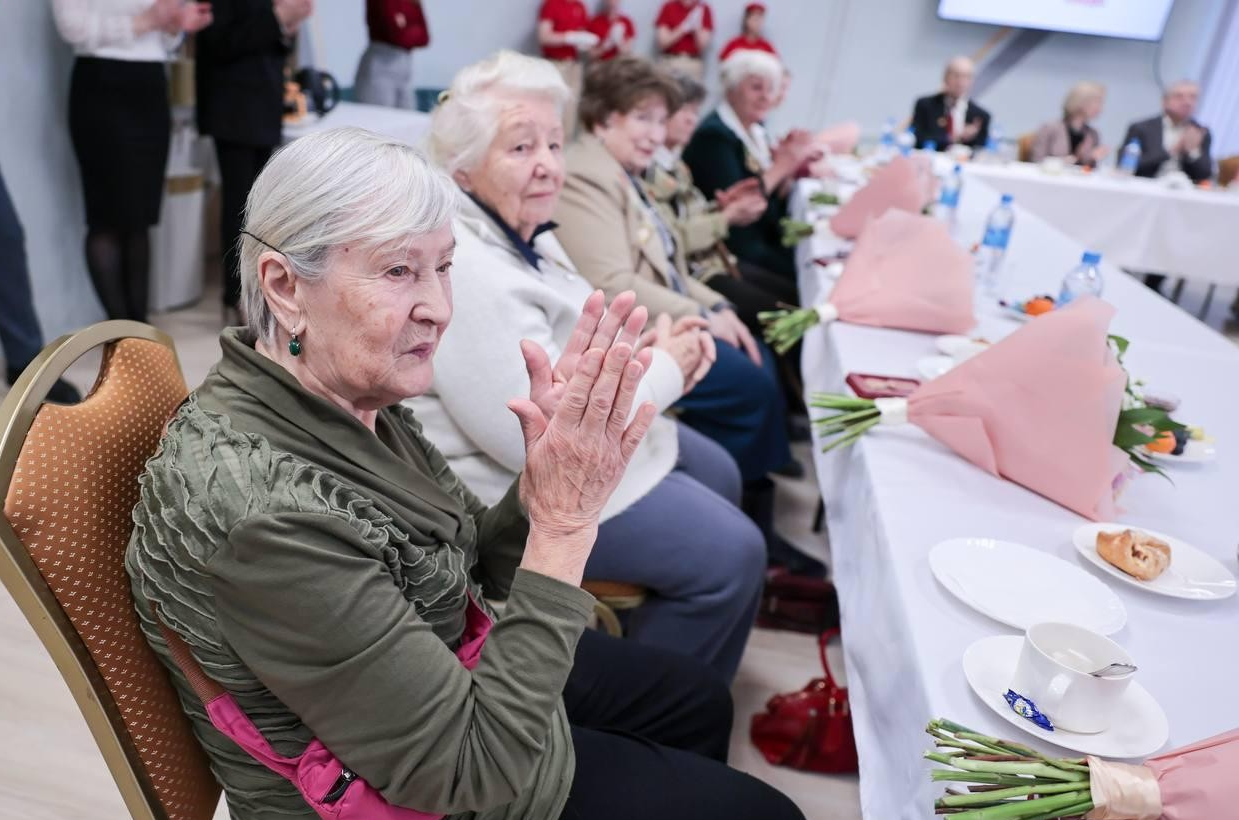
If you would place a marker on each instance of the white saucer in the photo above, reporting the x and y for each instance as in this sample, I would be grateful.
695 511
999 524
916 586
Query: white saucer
1194 452
931 367
1139 727
1192 574
1020 586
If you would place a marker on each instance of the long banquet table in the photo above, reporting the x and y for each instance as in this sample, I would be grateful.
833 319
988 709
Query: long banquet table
897 493
1137 223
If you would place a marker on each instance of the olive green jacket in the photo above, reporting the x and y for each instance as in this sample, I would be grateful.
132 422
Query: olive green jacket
320 572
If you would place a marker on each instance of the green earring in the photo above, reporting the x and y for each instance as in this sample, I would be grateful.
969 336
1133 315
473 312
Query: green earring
294 345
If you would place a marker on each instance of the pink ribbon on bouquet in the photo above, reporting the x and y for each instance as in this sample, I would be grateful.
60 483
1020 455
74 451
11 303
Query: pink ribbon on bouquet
1196 782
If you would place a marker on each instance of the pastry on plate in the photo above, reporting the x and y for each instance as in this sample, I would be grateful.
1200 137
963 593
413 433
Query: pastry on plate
1138 554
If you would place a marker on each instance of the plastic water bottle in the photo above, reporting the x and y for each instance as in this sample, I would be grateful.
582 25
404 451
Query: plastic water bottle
886 143
1083 280
948 196
930 146
906 141
1129 160
994 244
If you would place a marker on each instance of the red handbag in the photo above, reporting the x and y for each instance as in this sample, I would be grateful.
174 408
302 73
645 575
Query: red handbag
810 729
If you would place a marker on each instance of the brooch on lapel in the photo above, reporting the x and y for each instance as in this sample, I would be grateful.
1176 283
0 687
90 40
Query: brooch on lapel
644 233
751 163
942 122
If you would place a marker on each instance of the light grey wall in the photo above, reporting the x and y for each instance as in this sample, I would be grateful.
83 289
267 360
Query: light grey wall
851 59
38 165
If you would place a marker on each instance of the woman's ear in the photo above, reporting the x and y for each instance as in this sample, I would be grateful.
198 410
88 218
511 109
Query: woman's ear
279 286
461 178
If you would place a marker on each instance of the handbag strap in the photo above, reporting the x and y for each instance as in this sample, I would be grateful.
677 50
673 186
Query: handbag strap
822 640
204 687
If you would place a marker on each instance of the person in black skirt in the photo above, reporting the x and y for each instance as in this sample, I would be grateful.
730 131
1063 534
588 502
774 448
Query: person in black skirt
120 125
239 67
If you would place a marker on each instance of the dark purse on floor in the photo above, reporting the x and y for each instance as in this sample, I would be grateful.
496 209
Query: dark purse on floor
798 603
810 729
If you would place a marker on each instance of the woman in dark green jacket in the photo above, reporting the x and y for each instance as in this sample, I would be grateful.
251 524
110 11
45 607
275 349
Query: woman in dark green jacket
731 144
318 556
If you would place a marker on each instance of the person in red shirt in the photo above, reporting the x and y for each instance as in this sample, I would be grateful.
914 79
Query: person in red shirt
564 37
385 73
683 31
614 30
751 37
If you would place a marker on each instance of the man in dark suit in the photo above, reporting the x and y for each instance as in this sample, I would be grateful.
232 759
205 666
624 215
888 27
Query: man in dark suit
1172 141
950 117
240 77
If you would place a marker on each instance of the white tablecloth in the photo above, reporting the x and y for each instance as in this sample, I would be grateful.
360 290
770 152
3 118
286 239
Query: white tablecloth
897 493
398 123
1136 223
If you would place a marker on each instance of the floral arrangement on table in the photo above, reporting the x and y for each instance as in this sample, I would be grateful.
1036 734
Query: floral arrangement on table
1058 379
904 272
1001 780
794 230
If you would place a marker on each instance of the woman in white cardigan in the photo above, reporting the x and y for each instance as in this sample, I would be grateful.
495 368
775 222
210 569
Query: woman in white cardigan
673 525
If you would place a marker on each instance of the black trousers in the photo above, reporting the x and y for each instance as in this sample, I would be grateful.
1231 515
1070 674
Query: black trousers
755 291
239 165
651 729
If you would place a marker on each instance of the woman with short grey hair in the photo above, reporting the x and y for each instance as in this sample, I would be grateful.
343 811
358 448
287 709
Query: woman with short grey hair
324 565
673 525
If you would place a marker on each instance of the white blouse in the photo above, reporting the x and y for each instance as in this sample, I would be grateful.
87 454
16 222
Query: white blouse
104 28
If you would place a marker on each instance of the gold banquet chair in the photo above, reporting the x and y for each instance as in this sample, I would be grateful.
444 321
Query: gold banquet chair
68 475
610 598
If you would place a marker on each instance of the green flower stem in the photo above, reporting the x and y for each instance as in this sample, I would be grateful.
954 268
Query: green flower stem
987 779
1083 807
1034 768
847 418
832 401
982 798
1045 807
857 431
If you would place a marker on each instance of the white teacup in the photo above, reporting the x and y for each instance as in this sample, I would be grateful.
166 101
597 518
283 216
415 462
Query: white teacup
1053 672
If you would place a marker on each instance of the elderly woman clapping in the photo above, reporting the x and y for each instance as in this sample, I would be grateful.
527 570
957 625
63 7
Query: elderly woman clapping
673 524
732 144
613 231
324 564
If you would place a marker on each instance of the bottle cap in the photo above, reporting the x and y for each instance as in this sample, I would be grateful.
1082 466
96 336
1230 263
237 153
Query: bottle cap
1006 199
959 169
1091 258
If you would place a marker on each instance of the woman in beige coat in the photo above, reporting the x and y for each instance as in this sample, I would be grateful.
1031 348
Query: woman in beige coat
1071 137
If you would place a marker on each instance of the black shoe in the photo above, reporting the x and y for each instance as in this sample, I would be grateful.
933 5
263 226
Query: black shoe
779 553
61 393
792 469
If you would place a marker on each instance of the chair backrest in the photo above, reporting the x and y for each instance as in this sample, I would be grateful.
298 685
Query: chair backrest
68 476
1025 146
1227 170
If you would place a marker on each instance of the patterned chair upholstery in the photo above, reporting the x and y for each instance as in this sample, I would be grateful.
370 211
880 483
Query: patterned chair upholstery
68 475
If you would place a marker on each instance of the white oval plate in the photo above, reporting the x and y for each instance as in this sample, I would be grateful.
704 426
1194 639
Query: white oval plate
1020 586
1192 574
931 367
959 347
1194 452
1139 729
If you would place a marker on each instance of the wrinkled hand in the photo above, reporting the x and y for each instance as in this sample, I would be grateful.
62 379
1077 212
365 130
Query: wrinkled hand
575 459
192 17
1192 140
796 149
745 187
745 210
292 13
683 342
726 325
969 131
597 328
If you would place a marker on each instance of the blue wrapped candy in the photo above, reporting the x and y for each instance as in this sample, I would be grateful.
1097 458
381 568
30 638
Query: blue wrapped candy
1028 710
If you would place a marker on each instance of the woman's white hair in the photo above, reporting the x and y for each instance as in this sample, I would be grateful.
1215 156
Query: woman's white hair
467 118
747 63
336 187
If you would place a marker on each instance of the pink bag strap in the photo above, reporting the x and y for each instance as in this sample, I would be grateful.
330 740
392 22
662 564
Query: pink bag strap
228 717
